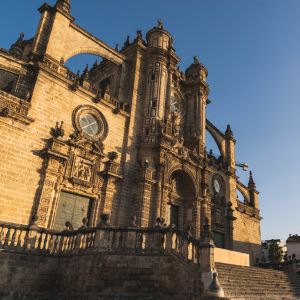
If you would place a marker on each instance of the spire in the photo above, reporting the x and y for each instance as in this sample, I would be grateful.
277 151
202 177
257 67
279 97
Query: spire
228 132
17 48
251 180
126 43
85 73
65 5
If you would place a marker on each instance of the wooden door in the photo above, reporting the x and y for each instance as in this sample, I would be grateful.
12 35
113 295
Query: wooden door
72 208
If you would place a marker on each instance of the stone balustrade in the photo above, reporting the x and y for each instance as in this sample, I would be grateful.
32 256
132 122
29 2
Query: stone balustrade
114 240
77 80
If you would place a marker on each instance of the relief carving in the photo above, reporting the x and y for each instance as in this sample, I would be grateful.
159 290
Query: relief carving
73 165
82 169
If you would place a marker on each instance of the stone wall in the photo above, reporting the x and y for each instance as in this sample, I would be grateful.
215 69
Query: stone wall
26 276
97 276
246 235
145 135
52 101
231 257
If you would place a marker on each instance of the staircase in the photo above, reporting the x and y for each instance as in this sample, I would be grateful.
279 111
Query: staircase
257 283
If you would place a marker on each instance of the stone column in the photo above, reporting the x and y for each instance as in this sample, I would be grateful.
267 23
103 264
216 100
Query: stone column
230 218
196 217
144 191
164 201
158 193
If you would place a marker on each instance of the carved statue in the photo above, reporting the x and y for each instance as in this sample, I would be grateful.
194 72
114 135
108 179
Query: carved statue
176 124
196 60
160 24
173 185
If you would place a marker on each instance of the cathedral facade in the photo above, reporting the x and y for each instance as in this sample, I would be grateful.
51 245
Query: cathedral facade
125 139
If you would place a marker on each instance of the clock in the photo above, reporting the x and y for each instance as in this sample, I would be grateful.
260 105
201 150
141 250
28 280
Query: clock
217 185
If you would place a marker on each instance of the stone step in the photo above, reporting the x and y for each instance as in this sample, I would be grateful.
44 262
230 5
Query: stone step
261 288
264 298
257 283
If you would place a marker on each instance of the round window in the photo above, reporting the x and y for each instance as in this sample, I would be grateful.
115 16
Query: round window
89 124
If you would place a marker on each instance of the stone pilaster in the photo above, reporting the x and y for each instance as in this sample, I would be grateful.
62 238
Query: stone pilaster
143 196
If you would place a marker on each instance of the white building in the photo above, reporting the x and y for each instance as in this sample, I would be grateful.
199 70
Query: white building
293 246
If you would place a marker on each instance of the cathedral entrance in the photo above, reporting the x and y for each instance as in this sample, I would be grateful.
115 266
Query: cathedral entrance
180 202
71 208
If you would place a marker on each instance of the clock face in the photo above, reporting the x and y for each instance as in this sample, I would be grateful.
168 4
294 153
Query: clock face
217 185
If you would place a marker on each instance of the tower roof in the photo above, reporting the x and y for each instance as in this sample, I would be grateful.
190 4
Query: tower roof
158 28
194 70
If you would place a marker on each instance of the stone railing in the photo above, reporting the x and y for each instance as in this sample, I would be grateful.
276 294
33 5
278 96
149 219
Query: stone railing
249 210
22 238
114 240
79 81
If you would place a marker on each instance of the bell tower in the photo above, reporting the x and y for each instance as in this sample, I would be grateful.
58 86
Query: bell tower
160 64
158 70
196 95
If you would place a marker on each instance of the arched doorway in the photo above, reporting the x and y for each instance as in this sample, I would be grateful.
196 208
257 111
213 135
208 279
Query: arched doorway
180 205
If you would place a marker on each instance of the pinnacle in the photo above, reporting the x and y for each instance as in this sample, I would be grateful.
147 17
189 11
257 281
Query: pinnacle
228 132
65 5
251 180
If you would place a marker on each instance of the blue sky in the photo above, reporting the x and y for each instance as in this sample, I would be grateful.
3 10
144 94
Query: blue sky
251 49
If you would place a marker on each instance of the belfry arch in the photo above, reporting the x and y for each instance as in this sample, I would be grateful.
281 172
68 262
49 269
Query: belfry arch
59 38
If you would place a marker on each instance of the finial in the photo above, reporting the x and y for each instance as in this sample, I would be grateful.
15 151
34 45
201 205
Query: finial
160 24
139 34
228 132
95 63
196 60
251 180
117 47
64 5
17 48
127 42
85 73
21 37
